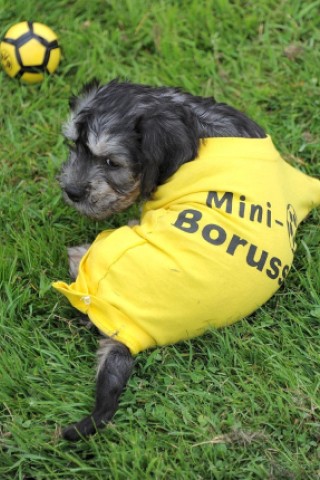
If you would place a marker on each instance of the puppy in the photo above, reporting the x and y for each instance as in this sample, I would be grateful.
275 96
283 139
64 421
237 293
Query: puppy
125 141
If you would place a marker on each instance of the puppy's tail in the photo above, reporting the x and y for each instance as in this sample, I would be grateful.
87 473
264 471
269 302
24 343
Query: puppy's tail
114 368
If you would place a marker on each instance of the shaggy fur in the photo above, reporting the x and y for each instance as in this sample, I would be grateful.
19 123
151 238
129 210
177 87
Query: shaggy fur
127 139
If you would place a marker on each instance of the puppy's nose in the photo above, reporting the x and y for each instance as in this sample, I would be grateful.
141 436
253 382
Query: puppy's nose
75 192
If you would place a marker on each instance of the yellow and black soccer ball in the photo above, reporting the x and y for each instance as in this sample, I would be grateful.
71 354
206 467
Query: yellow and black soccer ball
30 50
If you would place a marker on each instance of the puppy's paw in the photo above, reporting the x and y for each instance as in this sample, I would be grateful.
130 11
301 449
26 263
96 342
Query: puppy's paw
71 434
133 222
84 320
80 430
75 255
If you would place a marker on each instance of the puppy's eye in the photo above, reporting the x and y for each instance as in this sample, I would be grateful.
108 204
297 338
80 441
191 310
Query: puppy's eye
111 164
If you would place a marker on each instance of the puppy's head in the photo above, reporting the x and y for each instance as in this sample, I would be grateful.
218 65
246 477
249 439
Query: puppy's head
125 140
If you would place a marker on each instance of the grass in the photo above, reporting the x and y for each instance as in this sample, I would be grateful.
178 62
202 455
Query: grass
240 403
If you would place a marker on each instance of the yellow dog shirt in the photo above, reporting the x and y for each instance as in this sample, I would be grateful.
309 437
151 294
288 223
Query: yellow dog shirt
215 242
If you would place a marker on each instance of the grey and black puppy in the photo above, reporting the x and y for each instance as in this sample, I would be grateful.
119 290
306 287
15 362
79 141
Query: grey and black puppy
127 139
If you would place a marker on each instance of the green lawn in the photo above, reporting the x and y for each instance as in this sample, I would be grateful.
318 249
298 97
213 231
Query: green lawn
240 403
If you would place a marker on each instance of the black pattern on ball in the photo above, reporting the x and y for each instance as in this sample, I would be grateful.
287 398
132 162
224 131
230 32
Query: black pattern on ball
49 46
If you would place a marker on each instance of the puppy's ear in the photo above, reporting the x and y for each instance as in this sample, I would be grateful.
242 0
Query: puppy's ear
168 138
77 104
